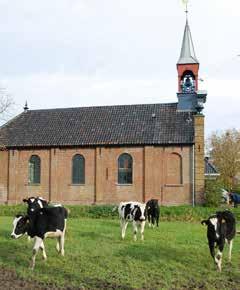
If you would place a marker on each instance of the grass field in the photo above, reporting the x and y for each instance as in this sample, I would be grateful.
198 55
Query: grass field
173 256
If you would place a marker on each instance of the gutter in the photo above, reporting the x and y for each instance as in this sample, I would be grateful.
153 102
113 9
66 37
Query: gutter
193 176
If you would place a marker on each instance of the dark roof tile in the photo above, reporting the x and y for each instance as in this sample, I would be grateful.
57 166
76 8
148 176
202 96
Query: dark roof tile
150 124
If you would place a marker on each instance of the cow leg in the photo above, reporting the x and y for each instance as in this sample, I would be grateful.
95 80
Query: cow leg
42 247
58 244
135 230
37 245
211 248
153 222
218 260
218 256
62 239
142 230
149 220
124 227
157 220
230 250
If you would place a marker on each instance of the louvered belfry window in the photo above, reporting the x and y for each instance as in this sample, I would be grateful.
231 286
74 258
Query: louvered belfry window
34 167
78 169
125 169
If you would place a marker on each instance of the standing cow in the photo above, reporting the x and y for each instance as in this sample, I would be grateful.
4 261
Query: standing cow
221 227
134 212
45 222
153 212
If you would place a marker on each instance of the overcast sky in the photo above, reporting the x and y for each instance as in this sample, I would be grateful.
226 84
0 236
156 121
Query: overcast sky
71 53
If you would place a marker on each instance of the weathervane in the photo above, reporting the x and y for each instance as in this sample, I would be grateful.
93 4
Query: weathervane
185 2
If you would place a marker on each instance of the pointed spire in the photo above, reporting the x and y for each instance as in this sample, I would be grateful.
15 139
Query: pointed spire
25 108
187 52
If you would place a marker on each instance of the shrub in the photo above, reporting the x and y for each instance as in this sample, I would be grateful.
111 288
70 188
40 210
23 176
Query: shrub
213 193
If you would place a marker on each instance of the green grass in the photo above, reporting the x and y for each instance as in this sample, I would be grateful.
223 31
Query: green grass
173 256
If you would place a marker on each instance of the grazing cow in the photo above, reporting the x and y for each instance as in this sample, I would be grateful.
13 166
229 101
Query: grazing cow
134 212
234 198
221 227
153 212
45 222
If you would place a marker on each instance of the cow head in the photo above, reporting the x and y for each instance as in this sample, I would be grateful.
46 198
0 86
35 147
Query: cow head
216 224
20 225
35 203
140 212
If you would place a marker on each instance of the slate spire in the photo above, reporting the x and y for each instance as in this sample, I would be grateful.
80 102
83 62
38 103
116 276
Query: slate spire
187 55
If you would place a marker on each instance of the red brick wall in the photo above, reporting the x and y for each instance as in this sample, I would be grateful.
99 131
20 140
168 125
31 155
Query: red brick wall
150 170
181 68
156 168
3 176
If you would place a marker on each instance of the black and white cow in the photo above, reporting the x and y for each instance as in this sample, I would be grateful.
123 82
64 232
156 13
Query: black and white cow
45 222
153 212
134 212
35 203
221 227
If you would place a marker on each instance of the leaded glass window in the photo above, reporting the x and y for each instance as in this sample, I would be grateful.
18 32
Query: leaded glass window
125 169
78 169
34 167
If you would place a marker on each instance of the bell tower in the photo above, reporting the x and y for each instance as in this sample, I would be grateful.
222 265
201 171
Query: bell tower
187 65
189 97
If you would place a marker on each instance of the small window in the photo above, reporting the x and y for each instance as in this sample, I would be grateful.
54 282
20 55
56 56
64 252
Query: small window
125 169
78 169
34 167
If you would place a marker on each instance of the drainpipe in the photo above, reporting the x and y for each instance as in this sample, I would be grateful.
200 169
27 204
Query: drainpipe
193 176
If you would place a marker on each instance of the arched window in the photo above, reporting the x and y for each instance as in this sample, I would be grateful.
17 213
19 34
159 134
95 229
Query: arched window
78 169
125 169
34 169
174 169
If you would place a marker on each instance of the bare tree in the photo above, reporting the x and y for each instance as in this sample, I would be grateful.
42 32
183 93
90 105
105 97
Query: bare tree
6 105
225 152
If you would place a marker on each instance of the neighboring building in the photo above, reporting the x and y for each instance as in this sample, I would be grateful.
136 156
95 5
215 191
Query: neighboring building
210 170
109 154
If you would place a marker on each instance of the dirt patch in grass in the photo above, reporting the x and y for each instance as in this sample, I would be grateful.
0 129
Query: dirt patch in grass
9 280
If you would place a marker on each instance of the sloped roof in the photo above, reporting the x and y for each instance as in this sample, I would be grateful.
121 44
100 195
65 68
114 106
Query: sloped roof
210 169
187 54
107 125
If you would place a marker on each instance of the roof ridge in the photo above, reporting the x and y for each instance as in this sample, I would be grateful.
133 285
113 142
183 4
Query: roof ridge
104 106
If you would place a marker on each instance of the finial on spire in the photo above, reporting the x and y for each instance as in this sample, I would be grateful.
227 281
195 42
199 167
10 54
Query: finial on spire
185 2
25 108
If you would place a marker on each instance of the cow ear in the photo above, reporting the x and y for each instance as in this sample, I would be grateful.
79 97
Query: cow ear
25 200
206 222
18 215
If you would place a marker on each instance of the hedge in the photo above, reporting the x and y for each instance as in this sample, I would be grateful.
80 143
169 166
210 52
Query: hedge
171 213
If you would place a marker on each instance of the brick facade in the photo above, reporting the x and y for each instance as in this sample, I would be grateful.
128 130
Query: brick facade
154 170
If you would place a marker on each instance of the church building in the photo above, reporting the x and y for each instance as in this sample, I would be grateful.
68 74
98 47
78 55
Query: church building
108 154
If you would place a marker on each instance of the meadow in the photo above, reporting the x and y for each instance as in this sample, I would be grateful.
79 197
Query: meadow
173 256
